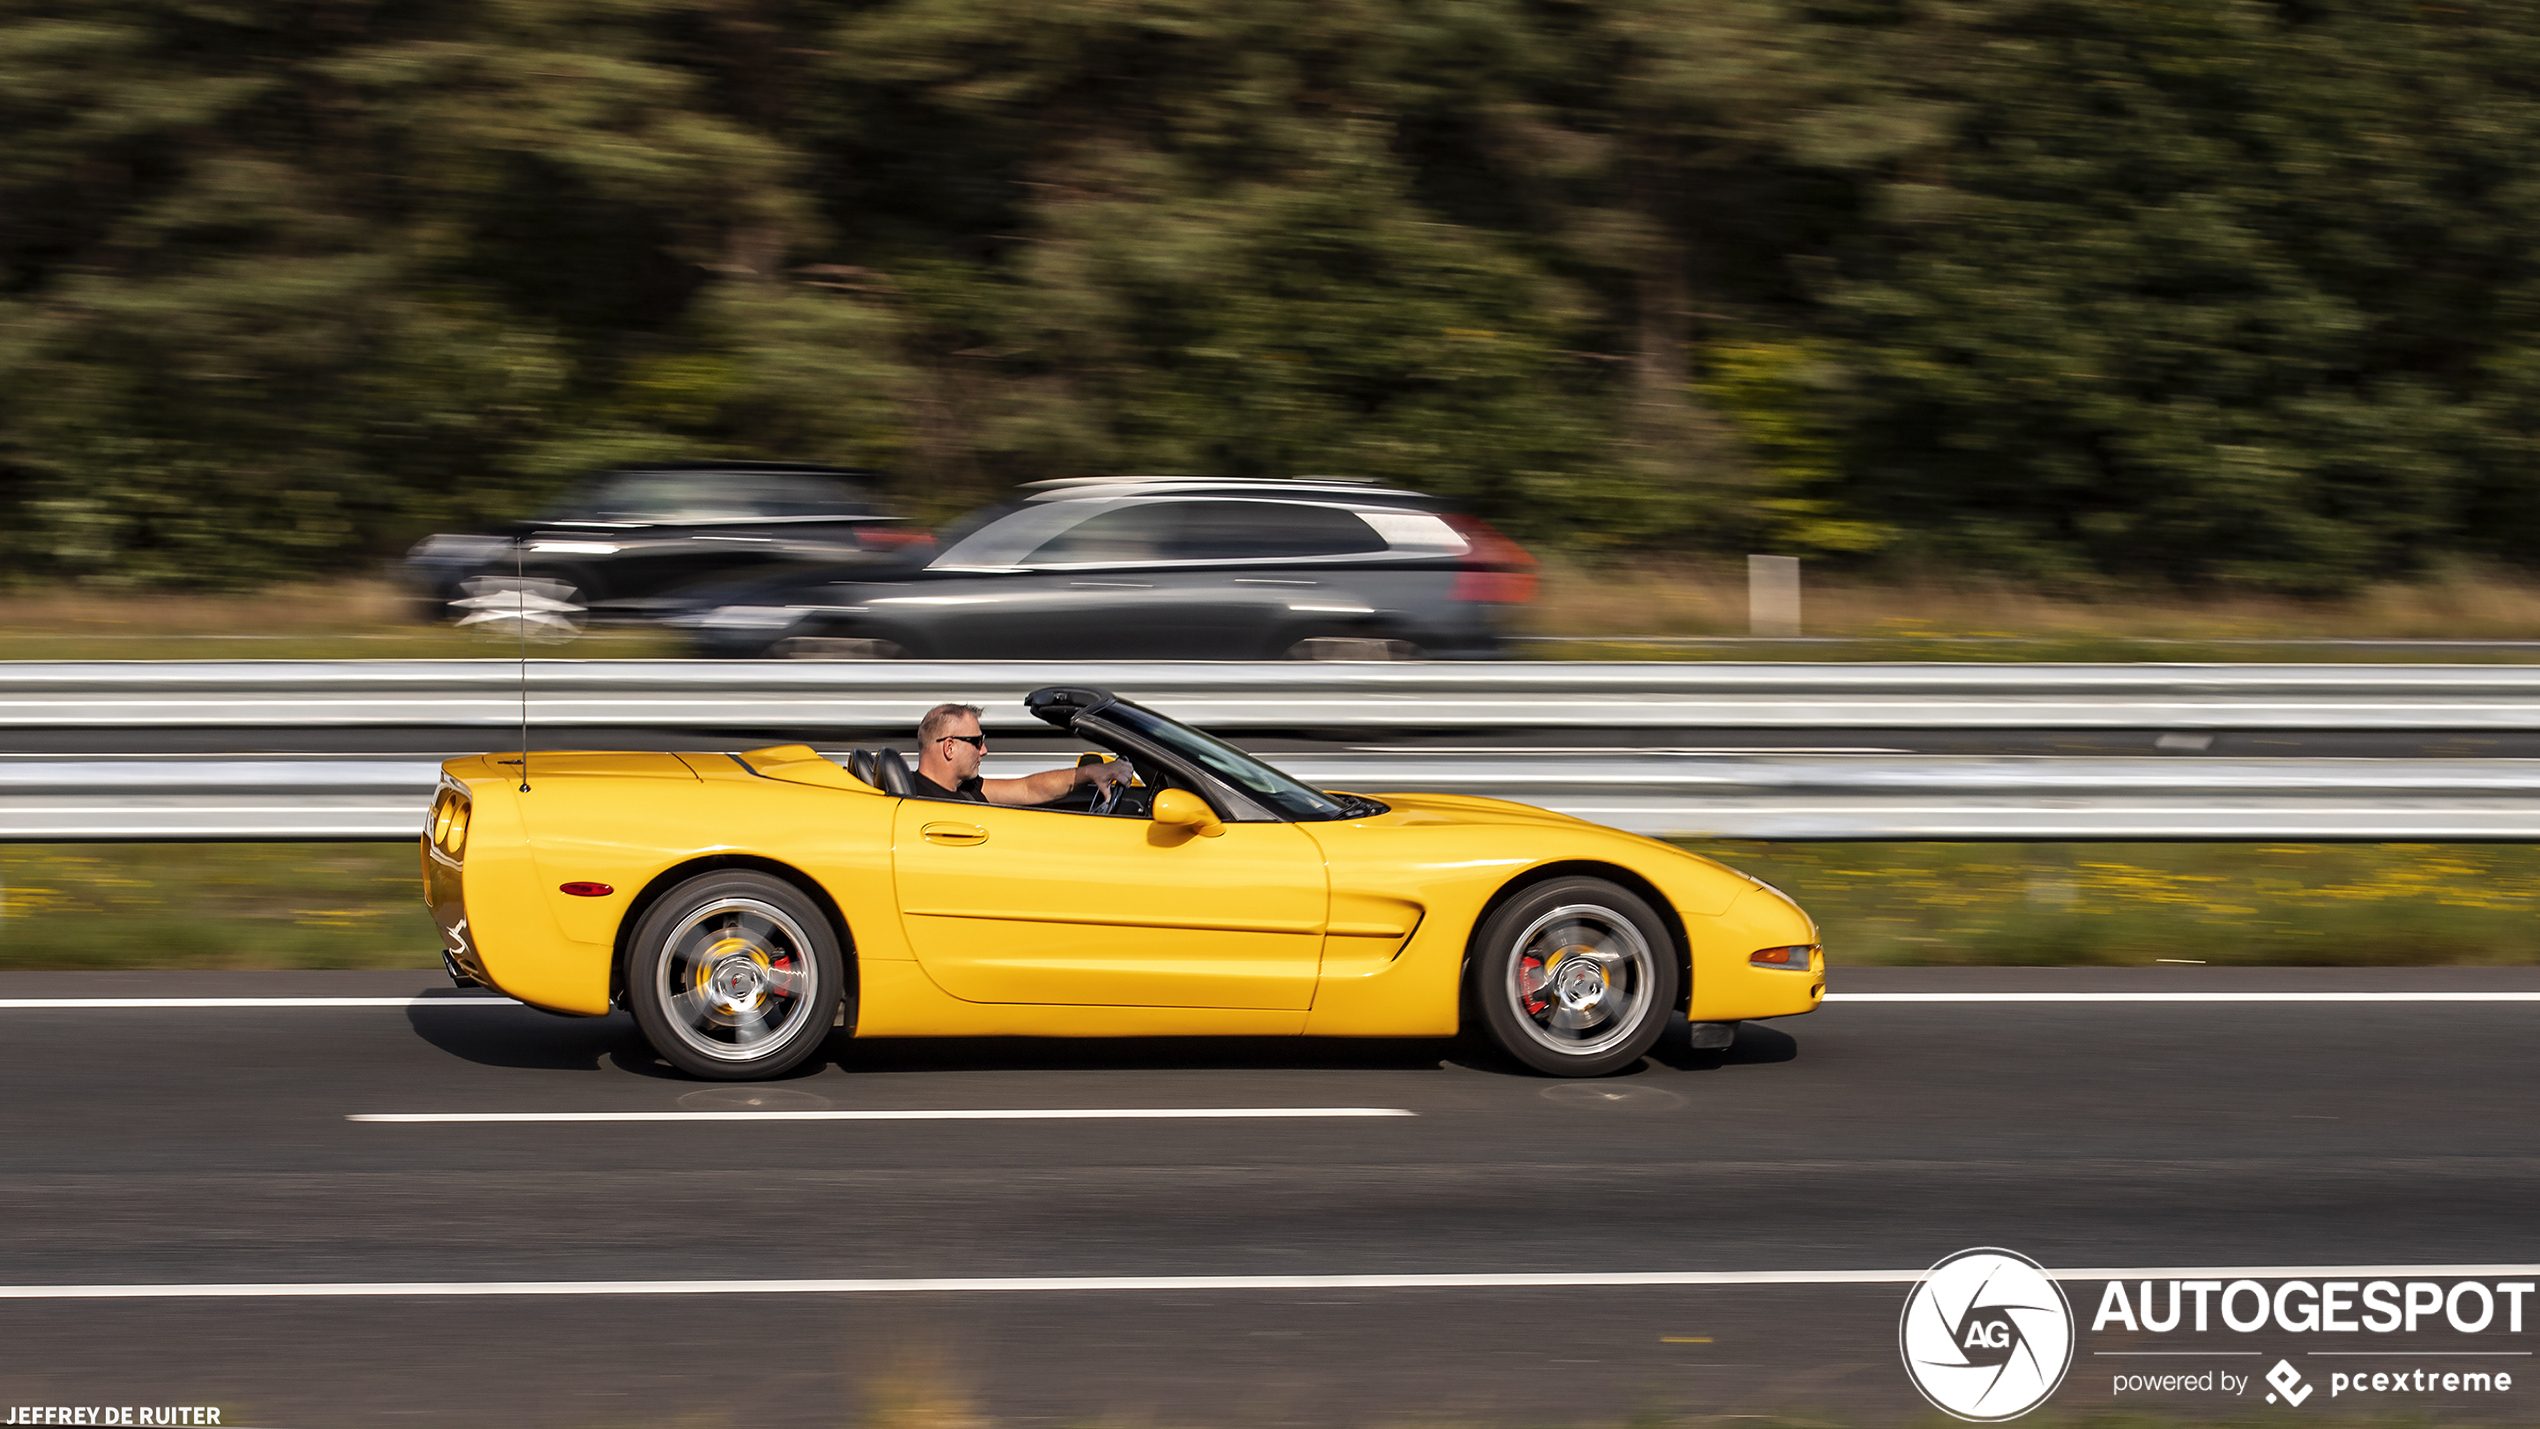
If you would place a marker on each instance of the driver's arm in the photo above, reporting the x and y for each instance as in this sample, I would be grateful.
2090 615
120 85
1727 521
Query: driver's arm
1051 783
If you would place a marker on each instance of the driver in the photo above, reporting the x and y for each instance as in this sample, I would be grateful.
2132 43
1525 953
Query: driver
950 746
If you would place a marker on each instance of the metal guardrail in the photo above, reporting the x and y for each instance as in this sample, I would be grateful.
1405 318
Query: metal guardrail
76 800
1692 796
847 697
1649 791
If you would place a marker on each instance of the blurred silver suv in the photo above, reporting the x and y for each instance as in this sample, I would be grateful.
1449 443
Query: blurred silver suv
1157 568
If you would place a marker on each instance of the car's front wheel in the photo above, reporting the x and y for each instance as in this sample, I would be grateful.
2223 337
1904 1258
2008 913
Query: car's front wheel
734 976
1575 976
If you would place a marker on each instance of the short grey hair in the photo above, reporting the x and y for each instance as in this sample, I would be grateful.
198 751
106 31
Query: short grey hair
942 718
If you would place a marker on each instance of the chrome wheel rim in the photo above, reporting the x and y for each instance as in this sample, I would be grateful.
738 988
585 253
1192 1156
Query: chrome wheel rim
736 978
1581 980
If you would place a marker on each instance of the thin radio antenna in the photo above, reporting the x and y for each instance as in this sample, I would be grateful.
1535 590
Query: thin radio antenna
520 613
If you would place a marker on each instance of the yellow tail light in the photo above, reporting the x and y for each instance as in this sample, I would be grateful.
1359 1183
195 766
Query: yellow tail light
449 822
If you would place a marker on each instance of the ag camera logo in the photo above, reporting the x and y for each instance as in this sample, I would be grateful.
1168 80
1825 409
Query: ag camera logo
1987 1335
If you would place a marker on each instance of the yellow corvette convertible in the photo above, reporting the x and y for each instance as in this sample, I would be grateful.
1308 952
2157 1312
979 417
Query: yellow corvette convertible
741 906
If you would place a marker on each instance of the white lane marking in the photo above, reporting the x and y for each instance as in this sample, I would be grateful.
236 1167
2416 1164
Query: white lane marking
2183 997
1163 1113
1078 1283
70 1002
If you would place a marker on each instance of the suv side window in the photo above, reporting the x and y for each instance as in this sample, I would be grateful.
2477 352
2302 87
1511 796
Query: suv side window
675 496
1142 531
1209 531
667 496
1270 530
809 496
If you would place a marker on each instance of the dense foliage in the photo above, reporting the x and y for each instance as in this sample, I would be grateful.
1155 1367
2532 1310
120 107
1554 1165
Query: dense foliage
2188 289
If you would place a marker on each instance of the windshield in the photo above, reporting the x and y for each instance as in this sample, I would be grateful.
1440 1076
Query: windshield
1234 766
998 537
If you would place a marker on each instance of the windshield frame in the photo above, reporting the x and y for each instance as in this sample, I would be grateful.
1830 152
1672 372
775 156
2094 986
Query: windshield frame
1242 773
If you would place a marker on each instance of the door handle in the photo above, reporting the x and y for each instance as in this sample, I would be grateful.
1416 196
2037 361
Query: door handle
958 835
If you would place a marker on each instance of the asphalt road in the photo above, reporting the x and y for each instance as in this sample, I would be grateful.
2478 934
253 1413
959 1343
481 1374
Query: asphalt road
192 1146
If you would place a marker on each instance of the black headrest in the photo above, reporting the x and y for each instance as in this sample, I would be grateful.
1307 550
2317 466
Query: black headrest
894 772
884 769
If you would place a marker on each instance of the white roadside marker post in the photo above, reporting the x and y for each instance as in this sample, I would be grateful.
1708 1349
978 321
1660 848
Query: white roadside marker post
1772 595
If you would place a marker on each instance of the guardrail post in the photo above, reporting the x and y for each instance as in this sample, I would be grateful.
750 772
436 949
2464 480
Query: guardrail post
1772 595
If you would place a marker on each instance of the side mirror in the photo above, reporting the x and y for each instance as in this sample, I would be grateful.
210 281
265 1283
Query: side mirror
1181 806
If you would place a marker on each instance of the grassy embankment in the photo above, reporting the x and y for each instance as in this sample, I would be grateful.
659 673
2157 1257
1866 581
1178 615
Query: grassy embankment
340 620
357 905
1929 619
1976 619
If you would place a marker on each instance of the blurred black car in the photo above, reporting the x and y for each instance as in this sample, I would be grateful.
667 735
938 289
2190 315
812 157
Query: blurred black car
618 543
1163 568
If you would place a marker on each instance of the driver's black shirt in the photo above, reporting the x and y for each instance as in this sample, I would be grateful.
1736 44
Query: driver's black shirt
968 793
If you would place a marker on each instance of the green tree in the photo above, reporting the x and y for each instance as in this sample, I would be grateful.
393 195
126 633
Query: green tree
2196 291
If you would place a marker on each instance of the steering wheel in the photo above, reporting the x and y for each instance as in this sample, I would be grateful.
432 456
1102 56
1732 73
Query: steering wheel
1107 797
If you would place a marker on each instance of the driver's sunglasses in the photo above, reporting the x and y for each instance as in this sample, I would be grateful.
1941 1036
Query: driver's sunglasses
976 741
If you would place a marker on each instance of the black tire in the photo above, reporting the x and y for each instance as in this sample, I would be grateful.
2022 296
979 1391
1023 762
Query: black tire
836 647
1575 977
1358 646
734 976
568 618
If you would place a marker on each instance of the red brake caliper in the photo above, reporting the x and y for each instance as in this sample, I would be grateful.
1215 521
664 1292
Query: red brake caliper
1530 980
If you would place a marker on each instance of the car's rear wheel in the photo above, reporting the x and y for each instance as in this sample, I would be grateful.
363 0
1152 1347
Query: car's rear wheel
1352 648
838 647
734 976
1575 976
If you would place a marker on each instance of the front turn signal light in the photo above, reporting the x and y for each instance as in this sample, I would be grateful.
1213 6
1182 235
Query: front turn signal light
1793 959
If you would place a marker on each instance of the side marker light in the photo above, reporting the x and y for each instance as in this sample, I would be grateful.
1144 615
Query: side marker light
586 890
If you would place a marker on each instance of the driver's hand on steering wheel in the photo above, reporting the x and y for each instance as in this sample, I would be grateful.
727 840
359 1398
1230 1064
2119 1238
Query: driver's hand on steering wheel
1104 775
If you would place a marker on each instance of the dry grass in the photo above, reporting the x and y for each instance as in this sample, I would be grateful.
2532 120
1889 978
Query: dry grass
372 618
1709 598
332 608
347 619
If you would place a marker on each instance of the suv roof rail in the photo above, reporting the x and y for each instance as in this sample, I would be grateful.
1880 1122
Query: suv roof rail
1239 483
788 468
1061 483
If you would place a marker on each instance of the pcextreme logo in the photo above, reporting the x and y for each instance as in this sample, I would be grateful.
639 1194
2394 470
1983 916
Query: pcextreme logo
1986 1335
